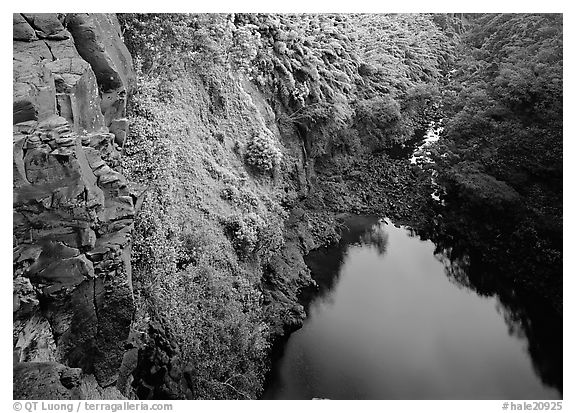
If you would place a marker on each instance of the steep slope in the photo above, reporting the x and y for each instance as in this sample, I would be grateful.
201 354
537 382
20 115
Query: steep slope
246 134
73 212
209 234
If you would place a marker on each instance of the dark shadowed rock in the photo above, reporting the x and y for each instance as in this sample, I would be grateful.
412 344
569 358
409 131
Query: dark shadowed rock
160 373
46 381
21 29
54 381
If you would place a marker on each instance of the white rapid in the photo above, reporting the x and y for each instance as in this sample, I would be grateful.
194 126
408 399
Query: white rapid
422 154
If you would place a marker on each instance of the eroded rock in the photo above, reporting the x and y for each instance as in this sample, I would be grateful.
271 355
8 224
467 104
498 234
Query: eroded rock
98 40
47 25
72 210
34 92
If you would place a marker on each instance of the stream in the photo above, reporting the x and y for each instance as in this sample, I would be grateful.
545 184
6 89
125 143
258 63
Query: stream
388 322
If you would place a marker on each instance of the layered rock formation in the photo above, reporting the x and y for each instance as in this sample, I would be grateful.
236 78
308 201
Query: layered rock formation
72 209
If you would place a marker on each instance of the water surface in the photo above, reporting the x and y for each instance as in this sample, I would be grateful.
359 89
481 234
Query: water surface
389 323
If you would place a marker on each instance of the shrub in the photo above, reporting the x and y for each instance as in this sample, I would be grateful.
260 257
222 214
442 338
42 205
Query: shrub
229 193
245 46
380 121
167 41
244 232
263 153
220 316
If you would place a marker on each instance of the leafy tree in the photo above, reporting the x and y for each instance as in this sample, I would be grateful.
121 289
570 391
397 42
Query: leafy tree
504 114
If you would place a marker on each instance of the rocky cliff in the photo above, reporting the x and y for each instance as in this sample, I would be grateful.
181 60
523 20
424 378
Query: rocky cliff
72 208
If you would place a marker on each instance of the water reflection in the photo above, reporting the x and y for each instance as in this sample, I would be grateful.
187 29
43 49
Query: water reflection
526 315
376 237
388 323
325 262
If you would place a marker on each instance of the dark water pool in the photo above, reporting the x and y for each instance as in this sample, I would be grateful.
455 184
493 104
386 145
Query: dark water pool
389 323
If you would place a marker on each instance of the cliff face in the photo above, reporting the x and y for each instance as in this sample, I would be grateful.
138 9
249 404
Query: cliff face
72 208
74 215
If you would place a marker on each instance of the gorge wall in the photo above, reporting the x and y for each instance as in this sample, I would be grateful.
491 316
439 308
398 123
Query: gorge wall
72 208
80 329
248 135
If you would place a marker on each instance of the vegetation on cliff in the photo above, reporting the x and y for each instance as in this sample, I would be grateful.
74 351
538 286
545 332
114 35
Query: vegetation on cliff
230 115
206 228
251 130
500 158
